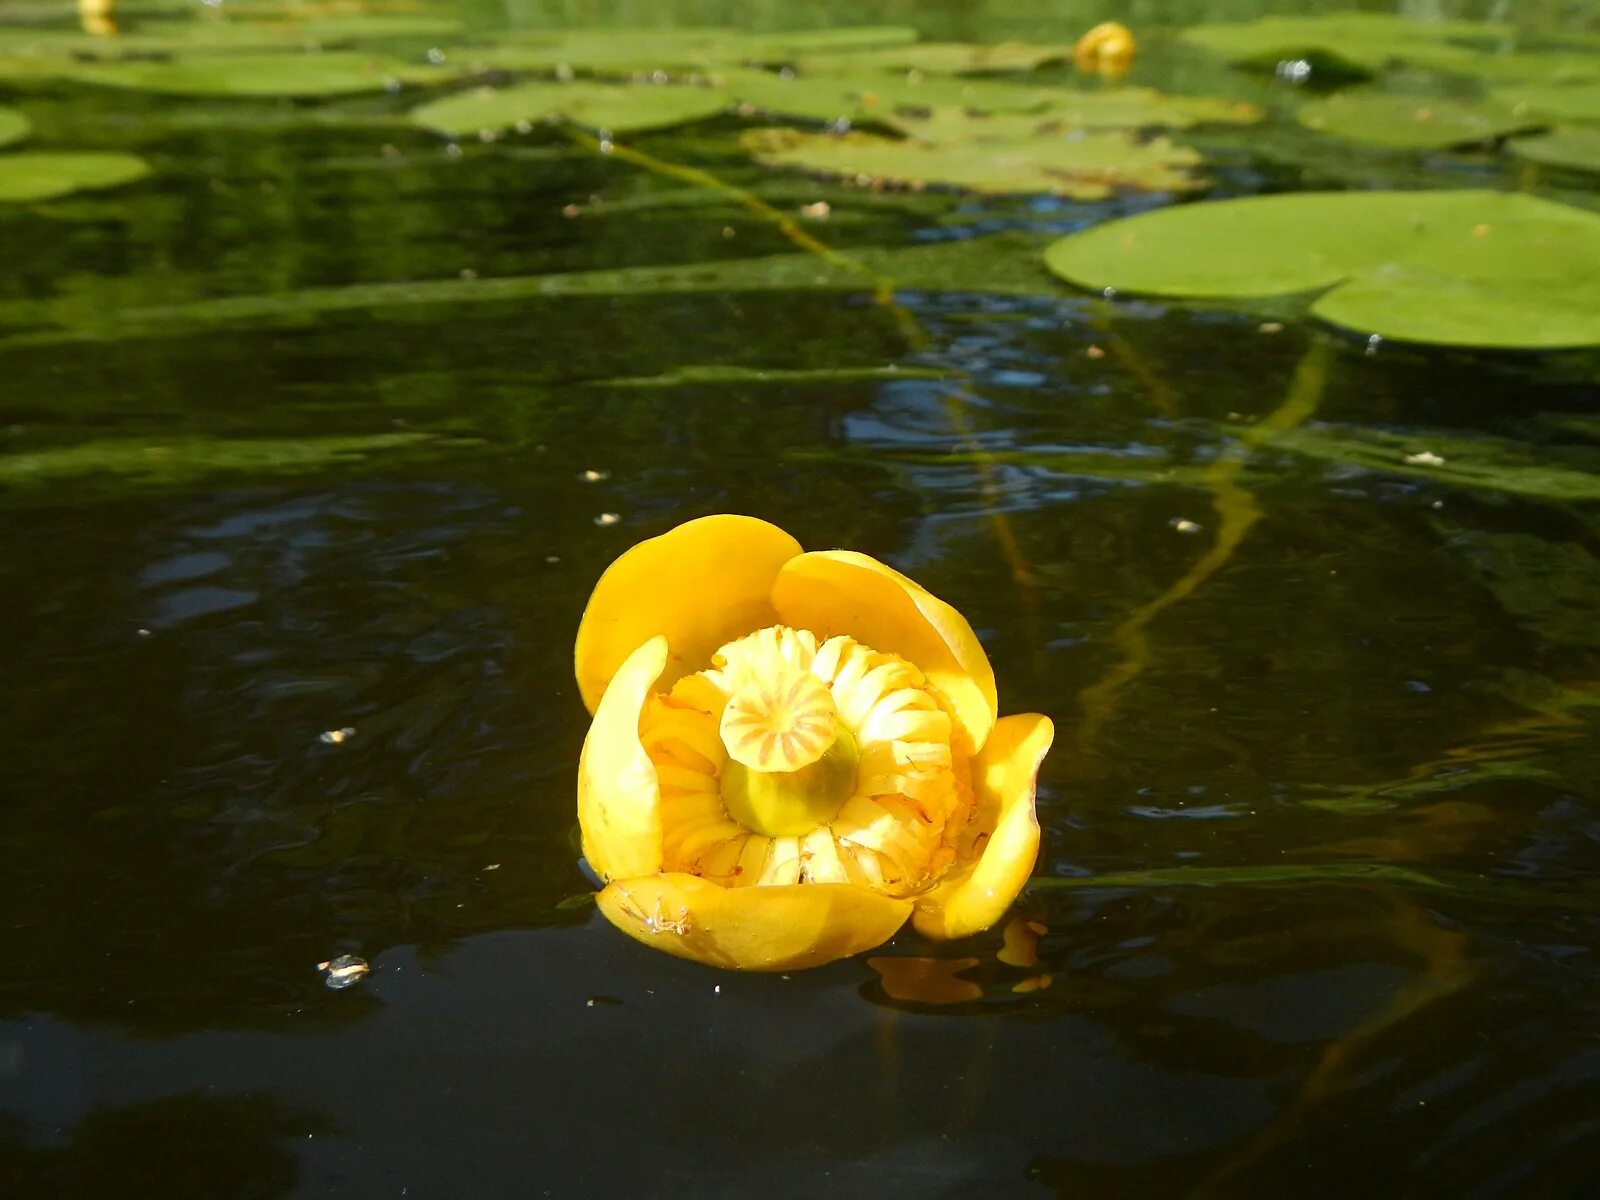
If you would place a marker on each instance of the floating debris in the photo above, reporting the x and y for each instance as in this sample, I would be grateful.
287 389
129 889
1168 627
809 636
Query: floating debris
820 211
608 518
1183 525
1425 458
1270 327
1095 352
594 476
343 971
334 737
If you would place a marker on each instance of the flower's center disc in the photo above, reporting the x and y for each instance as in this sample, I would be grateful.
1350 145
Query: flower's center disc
790 763
782 722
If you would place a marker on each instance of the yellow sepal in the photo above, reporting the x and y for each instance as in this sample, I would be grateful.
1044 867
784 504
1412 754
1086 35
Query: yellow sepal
619 796
701 584
977 891
785 927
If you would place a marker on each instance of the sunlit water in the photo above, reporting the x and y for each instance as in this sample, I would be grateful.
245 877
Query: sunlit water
1318 885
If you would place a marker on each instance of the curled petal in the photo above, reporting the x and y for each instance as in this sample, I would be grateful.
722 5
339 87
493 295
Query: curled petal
979 889
619 797
839 591
779 928
702 584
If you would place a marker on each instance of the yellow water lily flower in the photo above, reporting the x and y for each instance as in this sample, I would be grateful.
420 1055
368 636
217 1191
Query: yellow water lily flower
1107 50
793 752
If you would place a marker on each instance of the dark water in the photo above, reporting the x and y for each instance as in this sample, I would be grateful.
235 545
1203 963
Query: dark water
1319 874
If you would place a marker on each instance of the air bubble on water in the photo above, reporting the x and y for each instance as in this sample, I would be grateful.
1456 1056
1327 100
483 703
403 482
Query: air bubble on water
436 56
341 972
1374 342
1109 293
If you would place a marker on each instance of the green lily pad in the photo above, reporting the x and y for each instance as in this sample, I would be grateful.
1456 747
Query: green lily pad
1563 102
45 175
1350 44
871 97
1469 268
1409 122
1502 67
942 58
1573 147
1087 167
619 108
1121 108
623 51
13 126
261 75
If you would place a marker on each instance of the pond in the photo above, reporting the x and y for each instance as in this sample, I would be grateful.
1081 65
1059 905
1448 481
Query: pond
319 425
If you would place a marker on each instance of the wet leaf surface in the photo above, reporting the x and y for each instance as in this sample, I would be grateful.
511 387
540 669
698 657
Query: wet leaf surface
1462 268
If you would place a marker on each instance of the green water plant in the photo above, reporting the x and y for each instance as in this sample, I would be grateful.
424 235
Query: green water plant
46 175
619 108
13 126
1572 148
306 76
1469 268
1088 166
1405 122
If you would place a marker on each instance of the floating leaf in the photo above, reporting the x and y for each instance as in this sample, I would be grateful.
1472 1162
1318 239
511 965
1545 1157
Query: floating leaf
13 126
1471 268
45 175
615 107
261 75
1357 44
1086 167
1575 148
623 51
1485 464
1562 102
1409 122
1119 108
183 460
873 97
942 58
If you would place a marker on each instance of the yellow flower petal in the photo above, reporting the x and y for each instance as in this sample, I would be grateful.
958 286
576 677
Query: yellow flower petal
619 796
976 894
839 591
780 928
702 584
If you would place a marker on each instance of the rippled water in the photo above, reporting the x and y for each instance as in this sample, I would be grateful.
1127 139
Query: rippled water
1319 876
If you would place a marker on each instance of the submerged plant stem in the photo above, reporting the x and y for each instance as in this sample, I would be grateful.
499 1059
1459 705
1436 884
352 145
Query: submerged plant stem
1237 510
883 295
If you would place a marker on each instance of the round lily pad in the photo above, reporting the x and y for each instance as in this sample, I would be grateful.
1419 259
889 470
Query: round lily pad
942 58
1086 167
1469 268
261 75
618 108
1118 108
875 96
1561 101
1403 122
1350 44
13 126
45 175
1574 148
